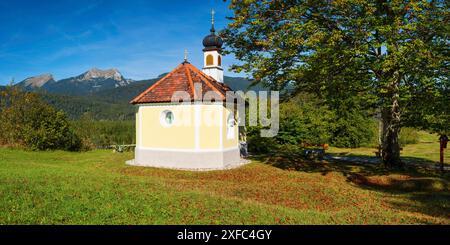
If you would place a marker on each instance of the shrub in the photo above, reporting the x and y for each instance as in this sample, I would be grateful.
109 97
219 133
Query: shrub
25 120
257 144
303 121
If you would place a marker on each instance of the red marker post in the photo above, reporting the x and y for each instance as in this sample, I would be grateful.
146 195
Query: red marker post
443 144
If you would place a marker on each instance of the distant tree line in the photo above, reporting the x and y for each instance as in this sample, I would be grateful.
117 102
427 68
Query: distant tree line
98 108
104 133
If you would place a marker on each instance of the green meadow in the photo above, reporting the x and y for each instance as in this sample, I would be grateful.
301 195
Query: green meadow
96 187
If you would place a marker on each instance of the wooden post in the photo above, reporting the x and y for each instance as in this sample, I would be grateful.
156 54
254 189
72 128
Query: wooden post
442 156
443 140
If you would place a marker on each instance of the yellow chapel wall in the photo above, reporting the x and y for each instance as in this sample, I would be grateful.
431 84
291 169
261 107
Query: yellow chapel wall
180 135
210 126
209 134
138 137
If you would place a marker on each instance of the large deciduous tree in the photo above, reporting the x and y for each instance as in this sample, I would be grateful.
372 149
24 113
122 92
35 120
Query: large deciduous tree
376 54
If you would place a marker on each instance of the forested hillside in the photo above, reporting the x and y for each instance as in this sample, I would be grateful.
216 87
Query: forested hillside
113 104
77 106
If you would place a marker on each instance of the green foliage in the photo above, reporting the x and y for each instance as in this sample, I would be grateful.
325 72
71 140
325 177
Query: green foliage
305 120
352 128
430 109
26 121
257 144
340 48
102 134
100 108
379 54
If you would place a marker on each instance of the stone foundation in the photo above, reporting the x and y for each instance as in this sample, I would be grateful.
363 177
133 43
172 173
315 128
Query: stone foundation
188 160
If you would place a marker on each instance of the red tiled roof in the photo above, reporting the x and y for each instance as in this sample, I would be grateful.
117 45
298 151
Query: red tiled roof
182 78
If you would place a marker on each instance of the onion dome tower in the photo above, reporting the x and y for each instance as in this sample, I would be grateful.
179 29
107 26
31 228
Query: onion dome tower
212 57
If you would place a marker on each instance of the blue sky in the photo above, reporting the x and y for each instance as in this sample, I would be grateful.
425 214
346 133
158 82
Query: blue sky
141 38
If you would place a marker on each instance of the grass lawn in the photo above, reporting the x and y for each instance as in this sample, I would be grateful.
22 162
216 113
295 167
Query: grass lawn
427 150
98 188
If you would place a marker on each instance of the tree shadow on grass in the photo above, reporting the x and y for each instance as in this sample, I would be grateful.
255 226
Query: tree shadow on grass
416 188
426 194
364 165
298 163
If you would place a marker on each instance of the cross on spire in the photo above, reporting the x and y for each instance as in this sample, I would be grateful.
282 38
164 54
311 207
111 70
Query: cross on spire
212 21
185 55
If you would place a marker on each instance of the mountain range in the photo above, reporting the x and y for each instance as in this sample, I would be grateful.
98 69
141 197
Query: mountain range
89 82
101 94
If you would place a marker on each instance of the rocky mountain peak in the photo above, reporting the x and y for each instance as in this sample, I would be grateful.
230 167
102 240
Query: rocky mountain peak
95 73
37 81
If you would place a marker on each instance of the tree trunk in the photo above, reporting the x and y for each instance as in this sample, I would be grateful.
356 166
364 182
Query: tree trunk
391 131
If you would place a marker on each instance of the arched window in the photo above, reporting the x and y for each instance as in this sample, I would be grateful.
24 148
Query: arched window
209 60
220 60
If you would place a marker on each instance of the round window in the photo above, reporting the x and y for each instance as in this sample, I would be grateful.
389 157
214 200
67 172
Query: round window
167 118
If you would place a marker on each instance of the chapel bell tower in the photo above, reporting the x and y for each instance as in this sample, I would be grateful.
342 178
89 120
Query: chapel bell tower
212 57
